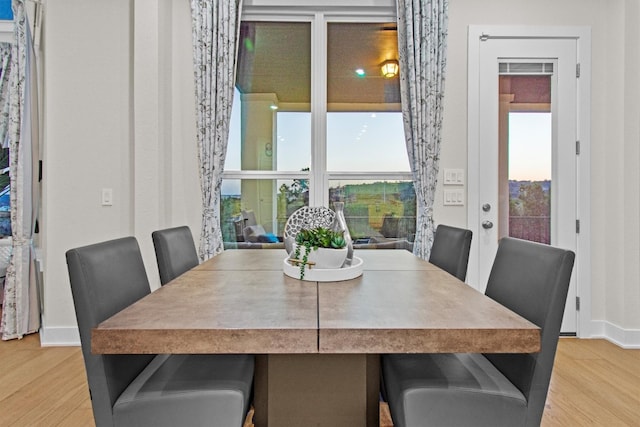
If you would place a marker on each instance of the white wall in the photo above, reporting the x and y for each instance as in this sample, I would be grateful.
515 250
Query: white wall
86 139
119 113
614 137
114 119
631 178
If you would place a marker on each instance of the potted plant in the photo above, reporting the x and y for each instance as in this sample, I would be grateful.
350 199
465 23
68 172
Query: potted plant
320 247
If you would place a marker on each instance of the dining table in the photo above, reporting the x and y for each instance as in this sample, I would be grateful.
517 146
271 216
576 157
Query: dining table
317 344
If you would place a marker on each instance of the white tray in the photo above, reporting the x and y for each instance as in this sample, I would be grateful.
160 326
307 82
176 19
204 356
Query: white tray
324 274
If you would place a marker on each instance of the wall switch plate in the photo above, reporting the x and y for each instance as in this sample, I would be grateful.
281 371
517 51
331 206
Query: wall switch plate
454 197
453 177
107 197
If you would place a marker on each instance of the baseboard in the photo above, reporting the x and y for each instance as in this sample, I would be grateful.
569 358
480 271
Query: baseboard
59 337
625 338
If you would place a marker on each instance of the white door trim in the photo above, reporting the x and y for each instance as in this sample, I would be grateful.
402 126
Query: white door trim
583 132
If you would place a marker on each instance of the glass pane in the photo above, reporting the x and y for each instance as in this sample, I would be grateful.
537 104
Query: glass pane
253 212
291 152
379 214
364 123
272 99
355 55
366 142
294 141
525 157
233 159
530 176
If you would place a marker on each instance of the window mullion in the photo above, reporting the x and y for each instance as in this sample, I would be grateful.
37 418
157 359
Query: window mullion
319 192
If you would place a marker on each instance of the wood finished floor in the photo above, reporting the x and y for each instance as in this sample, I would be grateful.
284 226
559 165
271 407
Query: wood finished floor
595 383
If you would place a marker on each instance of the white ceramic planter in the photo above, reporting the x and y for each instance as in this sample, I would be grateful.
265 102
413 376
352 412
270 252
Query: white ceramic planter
324 257
324 274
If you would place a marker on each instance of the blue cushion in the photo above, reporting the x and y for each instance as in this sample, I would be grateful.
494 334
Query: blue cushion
5 10
268 238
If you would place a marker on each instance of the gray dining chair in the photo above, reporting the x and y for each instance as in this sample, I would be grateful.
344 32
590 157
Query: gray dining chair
450 250
175 252
447 389
148 390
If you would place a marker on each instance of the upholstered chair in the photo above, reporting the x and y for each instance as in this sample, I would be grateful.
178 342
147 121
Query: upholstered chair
148 390
175 252
450 250
532 280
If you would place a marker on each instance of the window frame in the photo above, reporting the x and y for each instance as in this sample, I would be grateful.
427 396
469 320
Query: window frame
319 18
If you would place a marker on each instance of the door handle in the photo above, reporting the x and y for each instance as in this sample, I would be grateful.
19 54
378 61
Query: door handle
487 225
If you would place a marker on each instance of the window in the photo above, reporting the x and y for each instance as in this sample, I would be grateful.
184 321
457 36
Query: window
314 122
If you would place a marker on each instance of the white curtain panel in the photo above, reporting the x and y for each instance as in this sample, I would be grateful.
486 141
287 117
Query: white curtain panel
21 310
215 28
5 73
422 48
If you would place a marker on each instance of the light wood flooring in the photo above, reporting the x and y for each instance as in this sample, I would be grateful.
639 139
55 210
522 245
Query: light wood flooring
595 383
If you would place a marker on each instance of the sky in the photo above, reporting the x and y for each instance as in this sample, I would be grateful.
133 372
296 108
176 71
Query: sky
375 142
529 146
355 141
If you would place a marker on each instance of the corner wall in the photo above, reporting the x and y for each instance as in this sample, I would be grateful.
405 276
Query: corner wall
118 114
86 142
122 118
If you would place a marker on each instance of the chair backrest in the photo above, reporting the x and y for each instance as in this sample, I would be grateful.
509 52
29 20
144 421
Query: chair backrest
532 280
106 278
450 250
175 252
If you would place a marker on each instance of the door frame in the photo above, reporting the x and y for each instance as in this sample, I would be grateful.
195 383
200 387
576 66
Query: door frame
582 35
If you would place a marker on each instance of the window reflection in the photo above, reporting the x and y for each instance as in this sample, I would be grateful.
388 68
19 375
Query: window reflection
379 214
253 214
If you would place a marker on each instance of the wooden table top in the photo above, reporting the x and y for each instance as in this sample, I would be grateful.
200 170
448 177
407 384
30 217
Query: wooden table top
217 312
392 259
241 302
246 259
416 311
271 260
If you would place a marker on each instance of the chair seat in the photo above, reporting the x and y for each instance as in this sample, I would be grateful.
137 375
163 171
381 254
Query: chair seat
450 390
188 390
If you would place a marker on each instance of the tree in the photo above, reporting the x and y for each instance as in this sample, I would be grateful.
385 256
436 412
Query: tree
534 200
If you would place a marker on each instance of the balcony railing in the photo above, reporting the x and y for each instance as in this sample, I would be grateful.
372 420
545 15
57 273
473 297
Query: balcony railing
532 228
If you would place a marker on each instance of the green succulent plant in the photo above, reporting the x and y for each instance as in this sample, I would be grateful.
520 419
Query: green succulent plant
314 238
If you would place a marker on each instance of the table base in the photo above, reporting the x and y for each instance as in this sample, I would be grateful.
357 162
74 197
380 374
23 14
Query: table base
332 390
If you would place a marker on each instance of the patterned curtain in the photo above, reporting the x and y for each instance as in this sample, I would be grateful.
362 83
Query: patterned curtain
21 311
215 34
422 48
5 72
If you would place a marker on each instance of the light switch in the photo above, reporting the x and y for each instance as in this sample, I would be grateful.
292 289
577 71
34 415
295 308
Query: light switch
107 197
453 177
454 197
